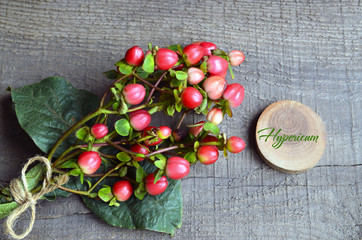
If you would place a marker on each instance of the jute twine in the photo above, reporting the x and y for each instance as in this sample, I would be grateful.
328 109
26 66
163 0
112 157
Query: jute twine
25 199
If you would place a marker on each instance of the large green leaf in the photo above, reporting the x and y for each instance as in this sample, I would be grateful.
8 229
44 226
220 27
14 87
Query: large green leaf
45 110
161 213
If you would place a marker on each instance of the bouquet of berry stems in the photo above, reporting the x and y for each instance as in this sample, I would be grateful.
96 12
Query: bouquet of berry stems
106 151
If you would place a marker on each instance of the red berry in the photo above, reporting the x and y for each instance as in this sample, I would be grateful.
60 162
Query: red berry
210 138
164 132
207 154
236 57
177 168
215 116
235 144
148 141
134 93
191 97
194 53
89 162
134 56
217 65
208 46
155 188
122 190
139 119
165 58
195 131
195 75
139 148
234 94
99 130
214 86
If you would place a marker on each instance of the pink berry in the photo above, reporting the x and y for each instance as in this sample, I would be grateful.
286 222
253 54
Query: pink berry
195 131
148 141
217 65
164 132
165 58
155 188
191 97
194 53
207 154
134 56
139 119
122 190
208 46
177 168
215 116
134 93
236 57
195 75
235 144
234 94
89 162
214 86
99 130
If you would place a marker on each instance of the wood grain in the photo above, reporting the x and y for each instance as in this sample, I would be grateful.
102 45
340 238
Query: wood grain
307 51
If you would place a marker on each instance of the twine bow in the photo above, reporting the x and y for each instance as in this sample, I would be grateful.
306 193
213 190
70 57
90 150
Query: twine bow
25 199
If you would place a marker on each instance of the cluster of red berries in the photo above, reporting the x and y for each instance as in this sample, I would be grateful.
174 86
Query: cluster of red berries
192 78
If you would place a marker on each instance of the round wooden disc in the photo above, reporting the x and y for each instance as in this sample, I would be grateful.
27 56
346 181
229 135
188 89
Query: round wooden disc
290 136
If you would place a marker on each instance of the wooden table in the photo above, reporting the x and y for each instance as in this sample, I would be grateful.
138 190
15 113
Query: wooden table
307 51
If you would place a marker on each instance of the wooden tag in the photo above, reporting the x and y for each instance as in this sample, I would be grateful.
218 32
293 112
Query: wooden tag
290 136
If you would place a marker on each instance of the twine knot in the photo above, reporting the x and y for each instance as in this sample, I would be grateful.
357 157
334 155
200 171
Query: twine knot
25 199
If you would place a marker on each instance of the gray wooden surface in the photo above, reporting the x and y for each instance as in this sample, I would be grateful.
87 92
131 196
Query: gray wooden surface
308 51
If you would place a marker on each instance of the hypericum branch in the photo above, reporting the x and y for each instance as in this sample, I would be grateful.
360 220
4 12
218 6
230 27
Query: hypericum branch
165 150
152 86
182 119
153 89
120 148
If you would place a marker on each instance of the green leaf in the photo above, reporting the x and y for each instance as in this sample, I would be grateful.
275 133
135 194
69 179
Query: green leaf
162 213
75 172
124 67
140 174
114 202
231 72
47 109
175 83
191 157
170 109
158 174
196 146
161 162
122 127
69 164
211 128
123 171
123 157
149 64
140 192
82 133
105 193
220 53
123 107
176 95
7 208
153 110
173 47
202 107
178 107
203 67
112 74
181 75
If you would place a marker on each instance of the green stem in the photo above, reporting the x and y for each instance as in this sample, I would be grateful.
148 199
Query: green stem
105 175
74 191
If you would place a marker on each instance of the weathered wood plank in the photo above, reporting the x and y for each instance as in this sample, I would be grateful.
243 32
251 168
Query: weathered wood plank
307 51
